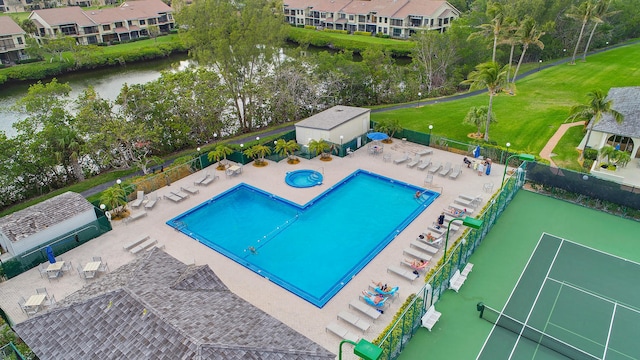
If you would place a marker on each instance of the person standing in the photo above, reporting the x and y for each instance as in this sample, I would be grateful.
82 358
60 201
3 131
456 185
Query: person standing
480 169
488 167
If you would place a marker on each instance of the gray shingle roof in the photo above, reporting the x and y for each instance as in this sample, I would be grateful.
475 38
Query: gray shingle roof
159 308
626 100
332 117
36 218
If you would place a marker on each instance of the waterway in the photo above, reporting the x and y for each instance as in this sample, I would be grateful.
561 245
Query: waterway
106 81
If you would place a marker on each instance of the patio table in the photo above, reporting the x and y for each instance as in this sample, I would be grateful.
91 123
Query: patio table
56 266
91 268
35 302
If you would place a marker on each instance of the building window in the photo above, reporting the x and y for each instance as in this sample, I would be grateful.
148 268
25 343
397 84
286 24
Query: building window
351 17
106 27
20 40
129 22
142 22
119 24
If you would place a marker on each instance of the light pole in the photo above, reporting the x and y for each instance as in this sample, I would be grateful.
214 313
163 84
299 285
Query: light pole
419 98
523 157
199 158
215 138
539 64
564 52
606 44
341 139
466 221
363 348
242 152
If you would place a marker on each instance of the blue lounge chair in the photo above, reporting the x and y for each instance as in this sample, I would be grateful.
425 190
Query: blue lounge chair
379 305
392 292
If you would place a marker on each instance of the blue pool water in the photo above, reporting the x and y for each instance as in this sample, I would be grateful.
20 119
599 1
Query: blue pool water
303 178
312 250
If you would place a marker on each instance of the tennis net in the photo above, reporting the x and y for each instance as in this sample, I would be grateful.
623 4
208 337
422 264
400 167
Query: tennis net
507 322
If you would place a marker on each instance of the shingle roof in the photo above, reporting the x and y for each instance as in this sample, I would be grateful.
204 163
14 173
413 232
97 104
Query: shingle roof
36 218
626 100
161 308
9 27
64 16
130 10
332 117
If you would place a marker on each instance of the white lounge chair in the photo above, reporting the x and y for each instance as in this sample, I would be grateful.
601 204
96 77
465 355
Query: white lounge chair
173 197
457 169
200 180
405 273
413 163
354 320
424 163
428 179
435 167
463 202
402 159
180 193
135 216
145 245
417 254
208 180
445 170
151 201
138 201
424 152
190 189
423 247
365 309
342 332
137 241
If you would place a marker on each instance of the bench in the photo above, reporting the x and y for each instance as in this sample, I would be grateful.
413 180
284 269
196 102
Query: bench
467 269
145 245
365 309
136 242
135 216
424 247
342 332
417 254
430 318
354 320
407 274
456 281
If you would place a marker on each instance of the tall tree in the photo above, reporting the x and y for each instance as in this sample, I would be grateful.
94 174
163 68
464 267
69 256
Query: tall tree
580 13
597 106
434 54
493 77
240 45
600 12
494 29
528 34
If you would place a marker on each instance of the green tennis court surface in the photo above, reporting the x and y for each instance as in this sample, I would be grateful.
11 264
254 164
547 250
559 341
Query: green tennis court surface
571 301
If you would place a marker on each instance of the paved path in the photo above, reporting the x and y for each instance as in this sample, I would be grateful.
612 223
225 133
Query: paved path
553 141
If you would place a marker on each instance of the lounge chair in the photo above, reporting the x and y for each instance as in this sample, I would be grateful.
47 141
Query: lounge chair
424 163
416 268
393 292
365 309
190 190
342 332
428 179
407 274
413 163
462 201
135 216
202 179
138 201
181 194
417 254
208 180
445 170
402 159
456 171
151 201
423 246
367 298
424 152
435 167
354 320
137 241
173 197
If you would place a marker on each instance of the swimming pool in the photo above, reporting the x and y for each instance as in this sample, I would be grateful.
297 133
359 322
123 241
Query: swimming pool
311 250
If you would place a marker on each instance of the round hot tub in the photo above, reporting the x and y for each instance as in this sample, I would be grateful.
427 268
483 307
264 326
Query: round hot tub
303 178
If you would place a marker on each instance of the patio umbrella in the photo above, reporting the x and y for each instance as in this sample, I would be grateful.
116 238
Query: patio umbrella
376 136
476 151
50 256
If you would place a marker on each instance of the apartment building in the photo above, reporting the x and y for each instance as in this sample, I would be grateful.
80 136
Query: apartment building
12 41
130 20
396 18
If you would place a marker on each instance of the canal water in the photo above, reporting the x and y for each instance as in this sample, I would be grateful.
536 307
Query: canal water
106 81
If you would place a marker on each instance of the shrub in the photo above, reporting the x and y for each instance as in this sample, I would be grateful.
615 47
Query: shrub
590 154
28 61
587 163
311 27
363 33
336 31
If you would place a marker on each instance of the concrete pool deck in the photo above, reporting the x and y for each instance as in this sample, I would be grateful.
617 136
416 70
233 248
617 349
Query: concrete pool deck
276 301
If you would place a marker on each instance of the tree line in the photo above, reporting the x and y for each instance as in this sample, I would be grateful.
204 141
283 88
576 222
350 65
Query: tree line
246 80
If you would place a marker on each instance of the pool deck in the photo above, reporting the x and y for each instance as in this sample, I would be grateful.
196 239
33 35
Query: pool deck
257 290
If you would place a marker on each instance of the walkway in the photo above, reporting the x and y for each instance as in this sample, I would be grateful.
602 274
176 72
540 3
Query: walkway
546 151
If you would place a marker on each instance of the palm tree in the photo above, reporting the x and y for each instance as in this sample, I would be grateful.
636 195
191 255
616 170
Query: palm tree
512 39
593 111
115 198
219 153
529 34
477 115
389 127
287 148
491 76
258 152
580 13
495 27
600 12
318 146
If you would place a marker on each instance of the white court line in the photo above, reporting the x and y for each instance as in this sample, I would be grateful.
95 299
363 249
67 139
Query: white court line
510 295
596 295
606 344
535 301
594 249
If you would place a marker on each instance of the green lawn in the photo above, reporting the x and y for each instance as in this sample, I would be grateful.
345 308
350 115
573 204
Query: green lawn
542 101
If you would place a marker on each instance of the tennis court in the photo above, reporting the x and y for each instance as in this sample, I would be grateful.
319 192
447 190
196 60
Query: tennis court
571 301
